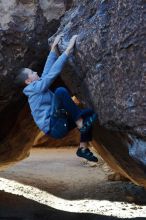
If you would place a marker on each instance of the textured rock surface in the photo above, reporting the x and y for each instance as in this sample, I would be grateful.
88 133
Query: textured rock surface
17 144
109 74
110 60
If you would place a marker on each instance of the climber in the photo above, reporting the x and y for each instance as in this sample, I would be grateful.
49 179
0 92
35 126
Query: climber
55 113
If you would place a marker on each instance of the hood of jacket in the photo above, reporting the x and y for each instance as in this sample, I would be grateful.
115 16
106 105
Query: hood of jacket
29 90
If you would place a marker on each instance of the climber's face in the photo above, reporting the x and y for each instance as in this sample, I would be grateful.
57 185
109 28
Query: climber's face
32 76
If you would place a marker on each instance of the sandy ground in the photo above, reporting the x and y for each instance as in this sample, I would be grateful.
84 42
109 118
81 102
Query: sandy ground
56 184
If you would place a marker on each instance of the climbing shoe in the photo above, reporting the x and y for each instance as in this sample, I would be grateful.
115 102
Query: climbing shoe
87 123
87 154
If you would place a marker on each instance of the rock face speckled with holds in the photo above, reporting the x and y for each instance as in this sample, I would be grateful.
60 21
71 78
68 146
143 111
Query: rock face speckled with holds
110 60
109 74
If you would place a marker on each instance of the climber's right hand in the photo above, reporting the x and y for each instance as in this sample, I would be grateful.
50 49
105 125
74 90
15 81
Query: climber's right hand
71 44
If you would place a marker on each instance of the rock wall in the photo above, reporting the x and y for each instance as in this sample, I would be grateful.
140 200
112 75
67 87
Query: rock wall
16 146
109 60
109 74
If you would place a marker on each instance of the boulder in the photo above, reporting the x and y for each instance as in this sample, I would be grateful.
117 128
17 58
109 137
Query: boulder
109 60
109 75
18 142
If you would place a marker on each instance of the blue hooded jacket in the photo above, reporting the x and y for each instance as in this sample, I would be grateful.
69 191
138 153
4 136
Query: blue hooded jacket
40 98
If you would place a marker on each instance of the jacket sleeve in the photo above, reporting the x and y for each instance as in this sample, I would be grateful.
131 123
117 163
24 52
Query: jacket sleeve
44 82
52 57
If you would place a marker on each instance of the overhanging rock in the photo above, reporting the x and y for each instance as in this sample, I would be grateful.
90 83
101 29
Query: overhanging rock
110 60
109 74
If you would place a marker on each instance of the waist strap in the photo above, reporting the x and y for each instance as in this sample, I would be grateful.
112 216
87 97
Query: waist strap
60 113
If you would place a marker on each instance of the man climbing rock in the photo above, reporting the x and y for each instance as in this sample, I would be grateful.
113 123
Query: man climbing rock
55 113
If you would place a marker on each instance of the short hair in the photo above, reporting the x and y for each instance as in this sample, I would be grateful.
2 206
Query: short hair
22 75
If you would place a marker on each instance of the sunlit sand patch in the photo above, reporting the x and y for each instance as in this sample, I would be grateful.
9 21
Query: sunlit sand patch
104 207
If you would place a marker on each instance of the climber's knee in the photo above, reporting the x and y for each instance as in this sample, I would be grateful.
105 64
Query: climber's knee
61 91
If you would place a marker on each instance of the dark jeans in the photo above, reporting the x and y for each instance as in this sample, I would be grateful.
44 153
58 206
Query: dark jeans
58 124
